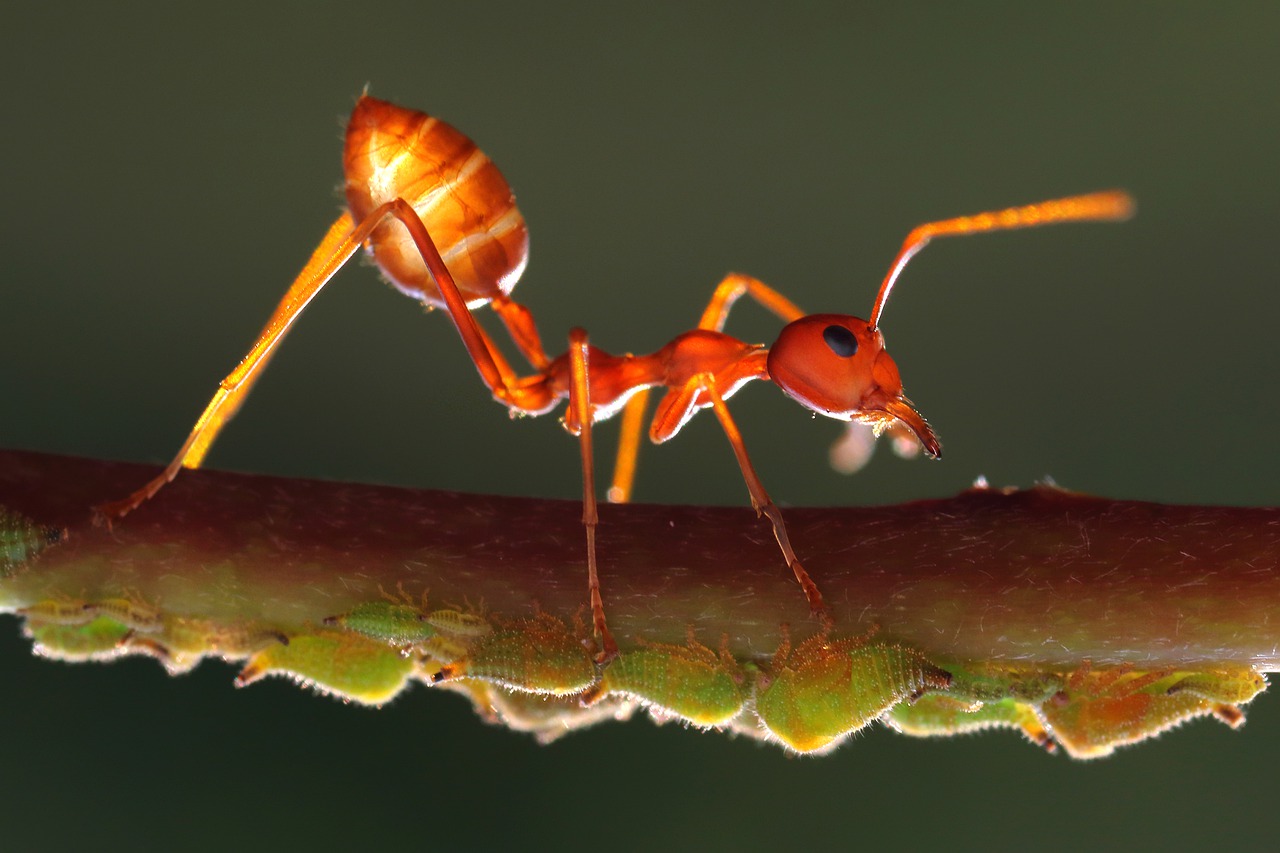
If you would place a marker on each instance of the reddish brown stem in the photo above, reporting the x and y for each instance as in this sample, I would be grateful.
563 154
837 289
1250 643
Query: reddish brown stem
1041 576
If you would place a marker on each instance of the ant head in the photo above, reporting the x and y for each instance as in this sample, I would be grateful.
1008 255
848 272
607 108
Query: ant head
836 365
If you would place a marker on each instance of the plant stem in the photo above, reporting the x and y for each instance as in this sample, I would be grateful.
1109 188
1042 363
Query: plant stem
1041 575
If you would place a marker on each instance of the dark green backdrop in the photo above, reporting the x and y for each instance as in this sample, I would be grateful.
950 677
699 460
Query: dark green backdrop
166 173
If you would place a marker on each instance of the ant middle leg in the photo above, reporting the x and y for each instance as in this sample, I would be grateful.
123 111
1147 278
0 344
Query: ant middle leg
581 416
734 286
624 466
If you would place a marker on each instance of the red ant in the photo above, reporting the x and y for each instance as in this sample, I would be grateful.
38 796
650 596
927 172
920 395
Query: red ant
442 224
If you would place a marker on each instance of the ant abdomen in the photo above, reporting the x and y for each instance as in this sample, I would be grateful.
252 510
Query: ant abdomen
464 201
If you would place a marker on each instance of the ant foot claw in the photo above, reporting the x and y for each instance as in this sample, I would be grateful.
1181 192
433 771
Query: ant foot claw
817 605
609 652
105 514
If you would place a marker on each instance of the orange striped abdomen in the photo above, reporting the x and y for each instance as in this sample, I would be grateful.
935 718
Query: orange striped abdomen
460 195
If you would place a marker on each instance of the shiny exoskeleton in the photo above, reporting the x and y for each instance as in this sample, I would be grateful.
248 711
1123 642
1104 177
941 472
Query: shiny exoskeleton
442 224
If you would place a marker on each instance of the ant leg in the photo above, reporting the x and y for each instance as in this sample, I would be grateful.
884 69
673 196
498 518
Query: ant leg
759 497
734 286
533 398
1110 205
339 244
624 468
508 375
523 331
581 417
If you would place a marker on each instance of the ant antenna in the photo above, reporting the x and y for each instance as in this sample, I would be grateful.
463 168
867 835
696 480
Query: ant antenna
1105 206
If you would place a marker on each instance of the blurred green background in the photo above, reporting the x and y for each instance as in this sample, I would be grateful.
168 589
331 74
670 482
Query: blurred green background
167 171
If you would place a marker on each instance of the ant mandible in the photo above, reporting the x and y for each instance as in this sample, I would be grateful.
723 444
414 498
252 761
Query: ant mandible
442 224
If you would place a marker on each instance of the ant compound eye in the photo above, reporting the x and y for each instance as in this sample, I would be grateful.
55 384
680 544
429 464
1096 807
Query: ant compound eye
842 341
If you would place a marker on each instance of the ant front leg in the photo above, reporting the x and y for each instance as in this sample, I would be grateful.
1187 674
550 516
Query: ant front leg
760 500
581 415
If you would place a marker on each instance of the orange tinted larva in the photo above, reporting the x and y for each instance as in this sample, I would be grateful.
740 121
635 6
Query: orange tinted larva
58 611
